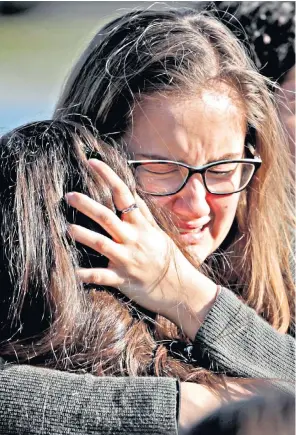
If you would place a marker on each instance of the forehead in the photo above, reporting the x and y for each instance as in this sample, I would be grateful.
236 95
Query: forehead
188 126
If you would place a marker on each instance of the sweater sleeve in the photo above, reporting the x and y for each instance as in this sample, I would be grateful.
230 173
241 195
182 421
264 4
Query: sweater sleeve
243 343
42 401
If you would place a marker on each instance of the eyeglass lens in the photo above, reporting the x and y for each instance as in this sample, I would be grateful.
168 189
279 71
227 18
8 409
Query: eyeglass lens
168 178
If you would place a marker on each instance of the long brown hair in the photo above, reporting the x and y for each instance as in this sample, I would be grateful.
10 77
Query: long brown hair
169 51
47 316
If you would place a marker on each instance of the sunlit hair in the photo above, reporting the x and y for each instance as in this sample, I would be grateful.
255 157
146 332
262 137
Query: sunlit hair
173 51
47 316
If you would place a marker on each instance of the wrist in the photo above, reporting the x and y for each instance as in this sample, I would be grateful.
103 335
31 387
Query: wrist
198 299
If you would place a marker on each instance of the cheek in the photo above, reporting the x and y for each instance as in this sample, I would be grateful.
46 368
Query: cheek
223 210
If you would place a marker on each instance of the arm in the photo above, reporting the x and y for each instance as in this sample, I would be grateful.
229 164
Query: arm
231 337
42 401
236 338
241 342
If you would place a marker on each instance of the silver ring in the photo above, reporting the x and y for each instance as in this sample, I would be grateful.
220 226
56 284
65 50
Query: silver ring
129 209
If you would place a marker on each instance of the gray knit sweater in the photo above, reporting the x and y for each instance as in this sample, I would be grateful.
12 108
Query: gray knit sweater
42 401
38 401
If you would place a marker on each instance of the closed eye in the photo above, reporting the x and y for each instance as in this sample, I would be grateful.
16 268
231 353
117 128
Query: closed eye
160 169
220 172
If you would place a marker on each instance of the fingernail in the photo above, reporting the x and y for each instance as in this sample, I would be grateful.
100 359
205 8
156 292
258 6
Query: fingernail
94 163
69 196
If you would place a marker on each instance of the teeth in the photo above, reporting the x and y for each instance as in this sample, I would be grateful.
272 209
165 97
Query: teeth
195 230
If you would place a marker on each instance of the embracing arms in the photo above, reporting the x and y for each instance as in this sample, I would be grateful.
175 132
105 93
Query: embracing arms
42 401
238 340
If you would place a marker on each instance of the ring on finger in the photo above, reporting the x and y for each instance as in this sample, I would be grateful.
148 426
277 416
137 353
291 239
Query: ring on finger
129 209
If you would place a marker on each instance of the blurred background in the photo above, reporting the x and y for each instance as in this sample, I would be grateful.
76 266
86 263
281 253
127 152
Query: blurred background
39 42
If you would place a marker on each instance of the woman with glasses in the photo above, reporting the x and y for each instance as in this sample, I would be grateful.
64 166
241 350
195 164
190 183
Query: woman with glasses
174 92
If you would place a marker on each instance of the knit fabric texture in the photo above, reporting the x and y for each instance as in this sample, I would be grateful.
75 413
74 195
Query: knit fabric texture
243 344
47 402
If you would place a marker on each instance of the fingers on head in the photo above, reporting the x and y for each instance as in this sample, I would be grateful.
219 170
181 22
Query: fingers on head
122 196
100 277
98 242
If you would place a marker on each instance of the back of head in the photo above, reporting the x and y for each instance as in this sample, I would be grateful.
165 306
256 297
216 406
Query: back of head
47 316
40 295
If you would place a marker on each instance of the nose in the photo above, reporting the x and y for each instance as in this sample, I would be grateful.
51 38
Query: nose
191 202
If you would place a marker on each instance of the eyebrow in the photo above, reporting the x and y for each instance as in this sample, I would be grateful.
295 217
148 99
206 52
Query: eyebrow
227 156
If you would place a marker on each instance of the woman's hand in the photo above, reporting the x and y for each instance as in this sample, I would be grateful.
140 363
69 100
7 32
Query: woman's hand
144 263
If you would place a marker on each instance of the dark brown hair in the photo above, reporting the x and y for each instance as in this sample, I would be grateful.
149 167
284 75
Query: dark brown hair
47 316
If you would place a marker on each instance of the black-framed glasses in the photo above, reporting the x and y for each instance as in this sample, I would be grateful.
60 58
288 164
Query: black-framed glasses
167 177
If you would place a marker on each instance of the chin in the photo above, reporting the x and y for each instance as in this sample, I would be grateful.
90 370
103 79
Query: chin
198 253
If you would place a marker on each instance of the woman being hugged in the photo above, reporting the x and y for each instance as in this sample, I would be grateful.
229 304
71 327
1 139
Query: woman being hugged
178 94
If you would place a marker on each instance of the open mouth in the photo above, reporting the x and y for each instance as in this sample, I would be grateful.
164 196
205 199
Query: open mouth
194 230
194 235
